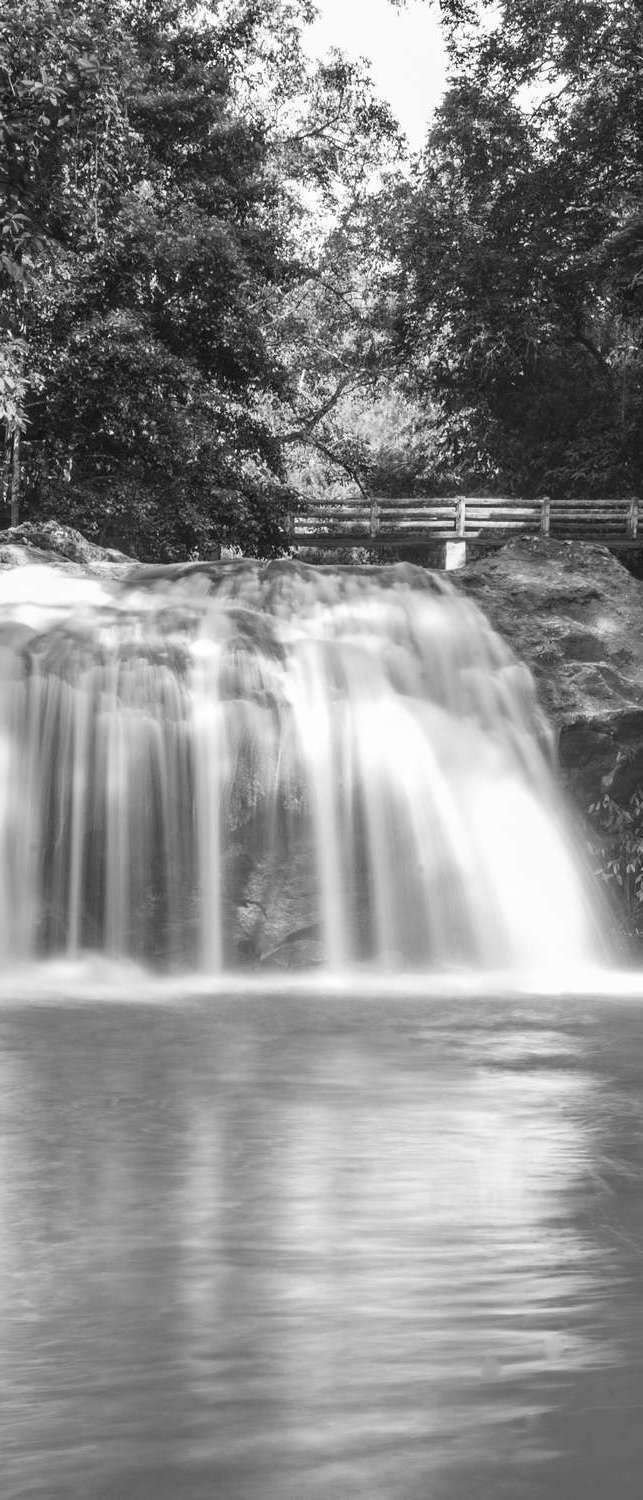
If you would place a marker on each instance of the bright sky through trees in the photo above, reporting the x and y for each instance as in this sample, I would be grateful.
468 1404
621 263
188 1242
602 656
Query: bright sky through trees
404 47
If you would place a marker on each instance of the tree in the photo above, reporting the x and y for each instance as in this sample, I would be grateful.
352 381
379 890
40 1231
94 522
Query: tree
49 84
144 206
334 141
185 235
518 287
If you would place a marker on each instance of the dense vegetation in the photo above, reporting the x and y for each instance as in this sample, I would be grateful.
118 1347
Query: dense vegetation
223 278
160 161
518 288
615 843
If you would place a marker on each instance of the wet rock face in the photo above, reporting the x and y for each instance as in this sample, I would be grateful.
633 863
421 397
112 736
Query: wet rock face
50 541
574 614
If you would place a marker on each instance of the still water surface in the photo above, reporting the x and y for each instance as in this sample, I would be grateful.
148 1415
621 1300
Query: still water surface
278 1249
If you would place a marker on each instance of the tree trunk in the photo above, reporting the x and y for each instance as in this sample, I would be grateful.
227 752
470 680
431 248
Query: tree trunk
6 470
15 478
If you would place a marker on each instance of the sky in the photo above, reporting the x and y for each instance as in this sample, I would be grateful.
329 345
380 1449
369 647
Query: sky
404 48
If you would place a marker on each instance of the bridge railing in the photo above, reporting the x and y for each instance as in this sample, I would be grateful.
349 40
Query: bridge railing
381 523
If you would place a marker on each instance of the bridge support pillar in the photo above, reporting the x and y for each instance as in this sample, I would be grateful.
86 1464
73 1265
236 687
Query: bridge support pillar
455 555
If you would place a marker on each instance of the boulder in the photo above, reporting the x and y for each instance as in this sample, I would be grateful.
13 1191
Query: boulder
574 614
52 542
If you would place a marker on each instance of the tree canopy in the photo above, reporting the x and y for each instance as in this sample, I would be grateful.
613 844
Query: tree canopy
223 277
519 247
158 155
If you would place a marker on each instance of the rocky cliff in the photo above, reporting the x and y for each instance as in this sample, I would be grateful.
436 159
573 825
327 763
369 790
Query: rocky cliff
575 615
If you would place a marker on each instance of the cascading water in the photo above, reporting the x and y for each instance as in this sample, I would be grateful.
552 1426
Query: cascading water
219 766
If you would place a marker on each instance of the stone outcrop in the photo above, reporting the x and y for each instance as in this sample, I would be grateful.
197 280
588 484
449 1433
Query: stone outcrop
51 541
575 615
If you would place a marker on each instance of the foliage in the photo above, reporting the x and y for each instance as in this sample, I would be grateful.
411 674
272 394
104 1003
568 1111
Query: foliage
159 157
616 844
390 445
326 325
220 279
518 293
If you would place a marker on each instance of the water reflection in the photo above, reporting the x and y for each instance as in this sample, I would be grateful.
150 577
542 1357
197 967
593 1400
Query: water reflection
283 1251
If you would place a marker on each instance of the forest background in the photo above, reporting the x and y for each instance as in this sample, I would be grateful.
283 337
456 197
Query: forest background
225 279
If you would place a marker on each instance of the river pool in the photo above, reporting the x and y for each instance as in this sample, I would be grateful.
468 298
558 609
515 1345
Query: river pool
279 1247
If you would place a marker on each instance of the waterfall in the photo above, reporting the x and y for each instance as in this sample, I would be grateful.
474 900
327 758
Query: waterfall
215 767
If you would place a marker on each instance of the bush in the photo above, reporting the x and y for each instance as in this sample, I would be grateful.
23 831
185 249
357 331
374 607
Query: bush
616 845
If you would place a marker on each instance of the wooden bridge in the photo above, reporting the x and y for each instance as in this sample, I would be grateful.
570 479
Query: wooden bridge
382 525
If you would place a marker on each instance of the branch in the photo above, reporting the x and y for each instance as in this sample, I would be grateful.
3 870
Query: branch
599 359
318 276
302 434
316 132
341 463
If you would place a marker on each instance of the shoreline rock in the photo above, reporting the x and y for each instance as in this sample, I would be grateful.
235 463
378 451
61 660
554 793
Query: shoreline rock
52 542
574 614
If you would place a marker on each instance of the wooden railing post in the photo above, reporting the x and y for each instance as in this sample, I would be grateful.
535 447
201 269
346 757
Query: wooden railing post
633 517
375 517
460 516
545 515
